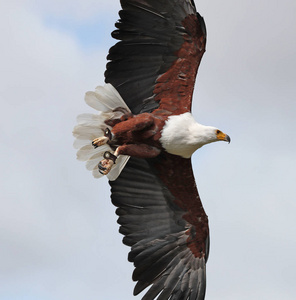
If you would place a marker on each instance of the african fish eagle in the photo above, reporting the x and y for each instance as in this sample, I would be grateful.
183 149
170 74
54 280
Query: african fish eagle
143 138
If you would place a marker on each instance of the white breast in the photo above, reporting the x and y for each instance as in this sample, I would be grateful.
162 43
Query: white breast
182 135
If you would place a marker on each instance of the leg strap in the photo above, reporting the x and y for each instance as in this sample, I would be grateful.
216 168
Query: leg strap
109 155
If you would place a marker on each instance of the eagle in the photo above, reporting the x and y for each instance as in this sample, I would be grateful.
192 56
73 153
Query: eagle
142 138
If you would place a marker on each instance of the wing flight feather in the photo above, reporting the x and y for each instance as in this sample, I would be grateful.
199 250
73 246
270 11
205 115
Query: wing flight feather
160 47
169 253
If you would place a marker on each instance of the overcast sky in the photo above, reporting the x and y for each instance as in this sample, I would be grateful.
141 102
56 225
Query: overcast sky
58 232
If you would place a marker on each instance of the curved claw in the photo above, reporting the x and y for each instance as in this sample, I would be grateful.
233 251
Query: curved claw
103 139
106 164
94 144
100 141
101 167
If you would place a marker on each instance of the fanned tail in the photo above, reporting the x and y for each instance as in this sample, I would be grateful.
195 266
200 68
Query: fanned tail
90 126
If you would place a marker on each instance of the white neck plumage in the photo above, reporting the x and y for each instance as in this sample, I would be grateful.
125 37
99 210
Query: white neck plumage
182 135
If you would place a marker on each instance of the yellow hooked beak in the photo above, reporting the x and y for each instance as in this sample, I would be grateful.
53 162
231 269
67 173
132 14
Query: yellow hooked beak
222 136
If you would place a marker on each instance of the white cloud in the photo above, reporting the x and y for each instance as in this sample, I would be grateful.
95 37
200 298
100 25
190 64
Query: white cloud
47 232
78 9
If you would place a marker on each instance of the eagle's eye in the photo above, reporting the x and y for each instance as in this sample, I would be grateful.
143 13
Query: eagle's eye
218 131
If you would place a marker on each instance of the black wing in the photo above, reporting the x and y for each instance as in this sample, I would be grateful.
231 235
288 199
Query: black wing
163 221
156 61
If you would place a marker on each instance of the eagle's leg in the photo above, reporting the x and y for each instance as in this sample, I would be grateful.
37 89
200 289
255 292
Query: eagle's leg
123 129
103 139
118 115
135 123
139 150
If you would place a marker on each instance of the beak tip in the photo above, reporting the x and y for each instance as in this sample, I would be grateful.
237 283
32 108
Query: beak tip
228 139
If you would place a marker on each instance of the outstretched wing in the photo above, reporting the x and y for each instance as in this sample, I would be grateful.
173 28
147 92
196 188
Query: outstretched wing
163 221
155 63
154 66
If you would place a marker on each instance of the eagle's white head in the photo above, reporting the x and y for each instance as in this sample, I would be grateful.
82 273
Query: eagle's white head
182 135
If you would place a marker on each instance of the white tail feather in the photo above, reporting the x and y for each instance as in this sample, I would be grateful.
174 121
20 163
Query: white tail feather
89 119
96 173
105 98
87 152
93 101
93 161
79 143
109 97
90 126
